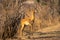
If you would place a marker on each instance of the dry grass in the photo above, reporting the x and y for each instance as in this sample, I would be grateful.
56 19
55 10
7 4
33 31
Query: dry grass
47 17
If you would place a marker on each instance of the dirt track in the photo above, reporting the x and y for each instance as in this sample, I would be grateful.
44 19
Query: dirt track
51 28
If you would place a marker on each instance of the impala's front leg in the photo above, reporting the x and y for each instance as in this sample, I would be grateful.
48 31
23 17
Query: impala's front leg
21 31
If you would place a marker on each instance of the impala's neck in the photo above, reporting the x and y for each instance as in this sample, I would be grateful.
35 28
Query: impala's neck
32 15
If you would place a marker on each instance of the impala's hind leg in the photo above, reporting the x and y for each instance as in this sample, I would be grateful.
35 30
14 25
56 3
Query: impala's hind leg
30 27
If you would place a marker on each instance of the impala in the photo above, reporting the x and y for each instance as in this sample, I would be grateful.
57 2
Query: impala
27 20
